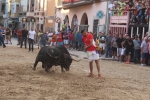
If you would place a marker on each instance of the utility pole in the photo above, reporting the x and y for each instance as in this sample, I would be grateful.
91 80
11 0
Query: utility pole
107 19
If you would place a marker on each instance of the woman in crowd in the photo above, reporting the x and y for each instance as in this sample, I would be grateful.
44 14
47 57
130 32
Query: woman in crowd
43 39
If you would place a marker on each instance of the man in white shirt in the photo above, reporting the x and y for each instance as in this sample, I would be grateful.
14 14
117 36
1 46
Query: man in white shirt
49 35
110 7
31 38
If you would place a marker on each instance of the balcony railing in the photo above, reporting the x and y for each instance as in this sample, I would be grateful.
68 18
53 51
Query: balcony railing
75 3
119 24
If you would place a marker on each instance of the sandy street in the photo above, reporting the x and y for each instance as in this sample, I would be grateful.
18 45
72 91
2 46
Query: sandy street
19 82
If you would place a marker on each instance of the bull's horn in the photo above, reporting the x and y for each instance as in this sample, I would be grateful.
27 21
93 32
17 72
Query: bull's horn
75 59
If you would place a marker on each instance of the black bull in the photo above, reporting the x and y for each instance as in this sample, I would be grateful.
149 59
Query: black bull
54 55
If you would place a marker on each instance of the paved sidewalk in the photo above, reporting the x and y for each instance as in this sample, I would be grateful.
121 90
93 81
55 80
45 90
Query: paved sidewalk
80 54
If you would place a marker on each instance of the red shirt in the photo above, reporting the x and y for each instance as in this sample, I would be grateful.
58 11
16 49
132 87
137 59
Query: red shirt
60 38
19 32
86 39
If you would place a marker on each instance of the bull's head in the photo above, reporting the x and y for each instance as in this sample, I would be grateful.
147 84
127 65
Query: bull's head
69 60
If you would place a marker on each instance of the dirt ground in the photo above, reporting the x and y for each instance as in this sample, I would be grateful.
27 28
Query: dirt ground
19 82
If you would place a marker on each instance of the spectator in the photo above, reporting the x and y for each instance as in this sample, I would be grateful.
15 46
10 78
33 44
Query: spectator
114 46
76 40
144 51
49 35
110 8
68 29
31 39
102 40
19 35
137 45
39 38
53 43
121 3
70 39
148 51
119 47
2 40
139 11
1 33
63 26
108 45
123 51
66 41
75 22
4 32
24 37
8 35
60 39
146 15
80 44
43 39
129 47
142 11
15 33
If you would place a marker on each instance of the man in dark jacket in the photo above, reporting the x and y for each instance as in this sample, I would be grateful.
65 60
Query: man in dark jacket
24 37
2 39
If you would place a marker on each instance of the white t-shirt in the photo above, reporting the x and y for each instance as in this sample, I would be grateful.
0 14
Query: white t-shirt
57 32
111 7
50 35
31 34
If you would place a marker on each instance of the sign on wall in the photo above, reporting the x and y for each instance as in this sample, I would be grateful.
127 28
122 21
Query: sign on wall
100 14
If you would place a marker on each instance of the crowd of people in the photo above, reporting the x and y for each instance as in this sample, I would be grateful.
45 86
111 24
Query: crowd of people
125 48
42 38
138 10
119 46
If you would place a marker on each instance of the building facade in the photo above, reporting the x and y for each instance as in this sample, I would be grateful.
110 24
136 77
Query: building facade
2 10
85 14
36 14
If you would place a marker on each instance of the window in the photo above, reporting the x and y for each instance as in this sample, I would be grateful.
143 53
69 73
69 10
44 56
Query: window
95 25
17 8
59 25
59 2
3 7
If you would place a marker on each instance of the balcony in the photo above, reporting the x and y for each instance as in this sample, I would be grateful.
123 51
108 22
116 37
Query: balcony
75 3
119 24
30 14
14 15
39 14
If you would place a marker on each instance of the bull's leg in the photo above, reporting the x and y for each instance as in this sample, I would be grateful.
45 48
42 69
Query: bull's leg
62 69
35 64
43 65
47 68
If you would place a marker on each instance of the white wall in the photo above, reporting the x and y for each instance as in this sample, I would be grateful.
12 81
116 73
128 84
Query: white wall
90 10
24 3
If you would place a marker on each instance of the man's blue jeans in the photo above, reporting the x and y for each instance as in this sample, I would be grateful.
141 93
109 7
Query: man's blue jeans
108 51
136 55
